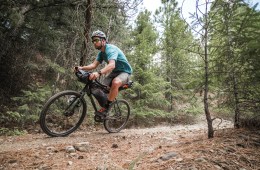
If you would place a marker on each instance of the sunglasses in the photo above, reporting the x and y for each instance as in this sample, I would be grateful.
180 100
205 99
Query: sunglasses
95 41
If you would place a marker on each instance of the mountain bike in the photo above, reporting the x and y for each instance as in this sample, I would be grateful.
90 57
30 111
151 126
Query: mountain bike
64 112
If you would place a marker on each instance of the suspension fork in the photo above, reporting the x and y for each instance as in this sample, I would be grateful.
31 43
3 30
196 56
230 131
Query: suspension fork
69 110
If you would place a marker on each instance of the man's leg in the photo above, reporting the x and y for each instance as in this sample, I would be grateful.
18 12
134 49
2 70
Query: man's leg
117 82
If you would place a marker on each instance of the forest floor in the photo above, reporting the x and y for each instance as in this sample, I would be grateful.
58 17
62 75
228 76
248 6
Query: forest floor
157 148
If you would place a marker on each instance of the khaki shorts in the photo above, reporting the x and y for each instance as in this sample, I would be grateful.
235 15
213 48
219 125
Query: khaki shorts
124 77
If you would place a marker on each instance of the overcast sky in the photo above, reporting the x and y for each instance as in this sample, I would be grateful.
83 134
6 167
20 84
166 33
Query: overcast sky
188 5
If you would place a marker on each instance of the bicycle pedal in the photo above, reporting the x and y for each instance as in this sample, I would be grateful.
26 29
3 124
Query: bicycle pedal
97 118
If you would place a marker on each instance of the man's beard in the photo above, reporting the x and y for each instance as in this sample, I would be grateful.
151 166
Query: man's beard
99 47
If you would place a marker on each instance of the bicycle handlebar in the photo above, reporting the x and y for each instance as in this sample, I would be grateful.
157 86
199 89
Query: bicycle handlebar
83 77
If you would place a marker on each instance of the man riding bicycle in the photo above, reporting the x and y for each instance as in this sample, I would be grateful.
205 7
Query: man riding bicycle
117 64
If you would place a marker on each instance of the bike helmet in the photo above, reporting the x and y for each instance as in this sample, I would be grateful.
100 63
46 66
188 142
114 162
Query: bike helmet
98 34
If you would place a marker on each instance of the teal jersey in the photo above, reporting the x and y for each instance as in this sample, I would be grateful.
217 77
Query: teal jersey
112 52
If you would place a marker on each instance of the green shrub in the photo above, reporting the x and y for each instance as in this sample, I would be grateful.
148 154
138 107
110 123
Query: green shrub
193 110
27 107
11 132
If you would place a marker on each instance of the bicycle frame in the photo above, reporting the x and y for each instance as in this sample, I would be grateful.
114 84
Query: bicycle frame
57 120
87 90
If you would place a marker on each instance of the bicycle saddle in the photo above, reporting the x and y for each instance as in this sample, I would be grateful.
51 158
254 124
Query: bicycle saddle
127 85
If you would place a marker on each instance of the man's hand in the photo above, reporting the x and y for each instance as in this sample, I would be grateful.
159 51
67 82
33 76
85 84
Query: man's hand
77 68
94 76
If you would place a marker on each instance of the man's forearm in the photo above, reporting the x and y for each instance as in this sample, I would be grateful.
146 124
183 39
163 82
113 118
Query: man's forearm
88 67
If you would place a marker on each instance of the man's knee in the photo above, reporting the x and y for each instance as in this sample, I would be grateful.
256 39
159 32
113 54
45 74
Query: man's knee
116 82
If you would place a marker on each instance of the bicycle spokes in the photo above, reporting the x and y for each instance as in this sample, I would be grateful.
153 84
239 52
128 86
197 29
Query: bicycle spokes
117 116
62 115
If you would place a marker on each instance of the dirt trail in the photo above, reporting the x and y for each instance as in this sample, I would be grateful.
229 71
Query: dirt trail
166 147
24 142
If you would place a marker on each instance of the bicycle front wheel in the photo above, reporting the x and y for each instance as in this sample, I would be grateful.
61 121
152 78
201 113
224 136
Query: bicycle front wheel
63 113
117 117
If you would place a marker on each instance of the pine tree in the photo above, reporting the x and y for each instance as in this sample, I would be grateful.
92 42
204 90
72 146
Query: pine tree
149 87
234 28
176 58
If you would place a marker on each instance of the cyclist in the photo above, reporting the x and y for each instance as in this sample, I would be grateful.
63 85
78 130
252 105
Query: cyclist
117 66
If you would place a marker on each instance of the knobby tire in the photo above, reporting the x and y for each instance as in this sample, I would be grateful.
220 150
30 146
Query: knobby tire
118 116
60 117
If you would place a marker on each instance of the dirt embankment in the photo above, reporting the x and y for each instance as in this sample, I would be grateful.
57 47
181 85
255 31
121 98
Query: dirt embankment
175 147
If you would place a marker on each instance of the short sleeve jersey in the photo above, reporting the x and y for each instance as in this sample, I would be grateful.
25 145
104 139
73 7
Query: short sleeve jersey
112 52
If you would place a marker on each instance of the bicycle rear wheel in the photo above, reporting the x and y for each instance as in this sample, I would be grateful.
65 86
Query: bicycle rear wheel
117 117
63 113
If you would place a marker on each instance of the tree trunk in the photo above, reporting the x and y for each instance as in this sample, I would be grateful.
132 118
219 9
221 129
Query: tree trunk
108 29
237 112
206 106
88 16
